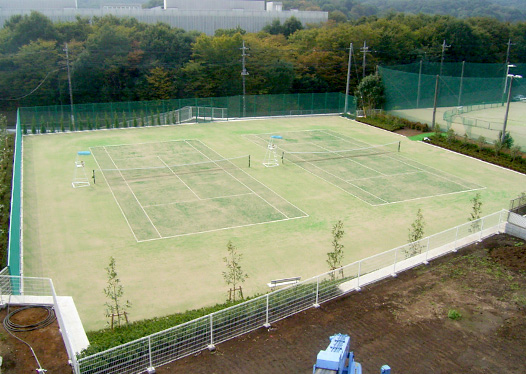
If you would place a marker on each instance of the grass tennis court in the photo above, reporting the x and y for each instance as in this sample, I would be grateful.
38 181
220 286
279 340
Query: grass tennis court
173 188
375 174
168 199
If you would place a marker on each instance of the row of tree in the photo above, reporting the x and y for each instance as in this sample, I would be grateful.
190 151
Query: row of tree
114 59
503 10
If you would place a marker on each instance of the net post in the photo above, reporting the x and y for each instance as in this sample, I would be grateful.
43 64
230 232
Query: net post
93 176
248 160
399 144
282 158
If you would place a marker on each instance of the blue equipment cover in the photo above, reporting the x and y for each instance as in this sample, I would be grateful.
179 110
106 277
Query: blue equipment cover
83 153
276 136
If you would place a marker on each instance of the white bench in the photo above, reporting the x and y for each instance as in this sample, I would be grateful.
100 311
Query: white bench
283 282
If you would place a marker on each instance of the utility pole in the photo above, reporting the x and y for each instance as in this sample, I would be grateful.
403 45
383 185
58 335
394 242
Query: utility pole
435 102
364 50
244 73
419 84
461 83
507 66
444 46
346 109
70 90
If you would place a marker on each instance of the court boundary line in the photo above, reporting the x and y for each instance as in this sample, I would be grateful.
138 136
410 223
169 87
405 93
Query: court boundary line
264 185
272 206
133 193
188 142
419 168
178 177
193 201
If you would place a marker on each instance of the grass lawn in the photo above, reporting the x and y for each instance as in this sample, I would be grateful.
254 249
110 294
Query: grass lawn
168 233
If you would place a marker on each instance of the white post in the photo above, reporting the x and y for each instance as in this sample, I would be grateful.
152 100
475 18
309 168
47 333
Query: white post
316 304
456 238
150 369
481 228
427 251
394 264
211 346
266 324
358 279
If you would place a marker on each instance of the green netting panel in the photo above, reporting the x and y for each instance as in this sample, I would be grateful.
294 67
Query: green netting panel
13 259
405 90
166 112
455 69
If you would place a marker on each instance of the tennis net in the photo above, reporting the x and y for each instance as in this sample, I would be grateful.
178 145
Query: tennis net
166 170
337 154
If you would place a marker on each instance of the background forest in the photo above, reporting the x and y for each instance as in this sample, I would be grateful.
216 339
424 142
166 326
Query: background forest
115 59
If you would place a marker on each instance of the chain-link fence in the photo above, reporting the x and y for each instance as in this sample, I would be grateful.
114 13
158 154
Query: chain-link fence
61 118
518 205
458 88
15 219
205 332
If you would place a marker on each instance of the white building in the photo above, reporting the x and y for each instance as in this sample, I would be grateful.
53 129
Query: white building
205 16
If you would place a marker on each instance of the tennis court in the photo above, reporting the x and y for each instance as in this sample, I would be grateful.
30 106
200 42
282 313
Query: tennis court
167 189
375 174
168 199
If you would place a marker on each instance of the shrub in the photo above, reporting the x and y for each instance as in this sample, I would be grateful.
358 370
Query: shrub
454 314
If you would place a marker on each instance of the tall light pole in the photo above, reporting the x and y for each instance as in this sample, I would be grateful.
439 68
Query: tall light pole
506 79
511 76
70 90
346 109
244 73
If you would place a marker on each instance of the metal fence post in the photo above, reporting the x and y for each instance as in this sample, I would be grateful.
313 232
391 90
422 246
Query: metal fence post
316 304
211 346
427 251
358 278
456 238
267 323
394 264
150 368
481 228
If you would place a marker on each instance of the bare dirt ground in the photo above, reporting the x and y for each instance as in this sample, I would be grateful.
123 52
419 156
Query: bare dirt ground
402 322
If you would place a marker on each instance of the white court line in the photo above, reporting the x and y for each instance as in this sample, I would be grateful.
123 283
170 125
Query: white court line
113 194
173 172
386 175
125 181
193 201
432 196
352 160
343 180
238 179
222 228
263 184
425 170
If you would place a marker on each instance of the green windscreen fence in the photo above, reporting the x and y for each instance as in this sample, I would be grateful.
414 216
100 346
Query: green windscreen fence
60 118
13 257
471 98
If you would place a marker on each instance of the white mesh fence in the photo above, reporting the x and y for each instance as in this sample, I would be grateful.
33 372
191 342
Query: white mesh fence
183 340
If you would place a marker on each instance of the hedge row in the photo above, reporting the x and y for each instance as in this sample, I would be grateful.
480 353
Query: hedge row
483 152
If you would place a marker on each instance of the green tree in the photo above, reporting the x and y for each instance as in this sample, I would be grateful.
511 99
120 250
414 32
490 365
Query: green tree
370 93
234 275
476 211
291 25
335 257
116 310
160 84
416 233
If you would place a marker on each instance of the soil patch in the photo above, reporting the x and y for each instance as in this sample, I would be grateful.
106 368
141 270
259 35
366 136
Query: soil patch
402 322
408 132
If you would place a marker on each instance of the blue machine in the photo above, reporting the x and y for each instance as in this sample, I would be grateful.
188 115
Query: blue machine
337 358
